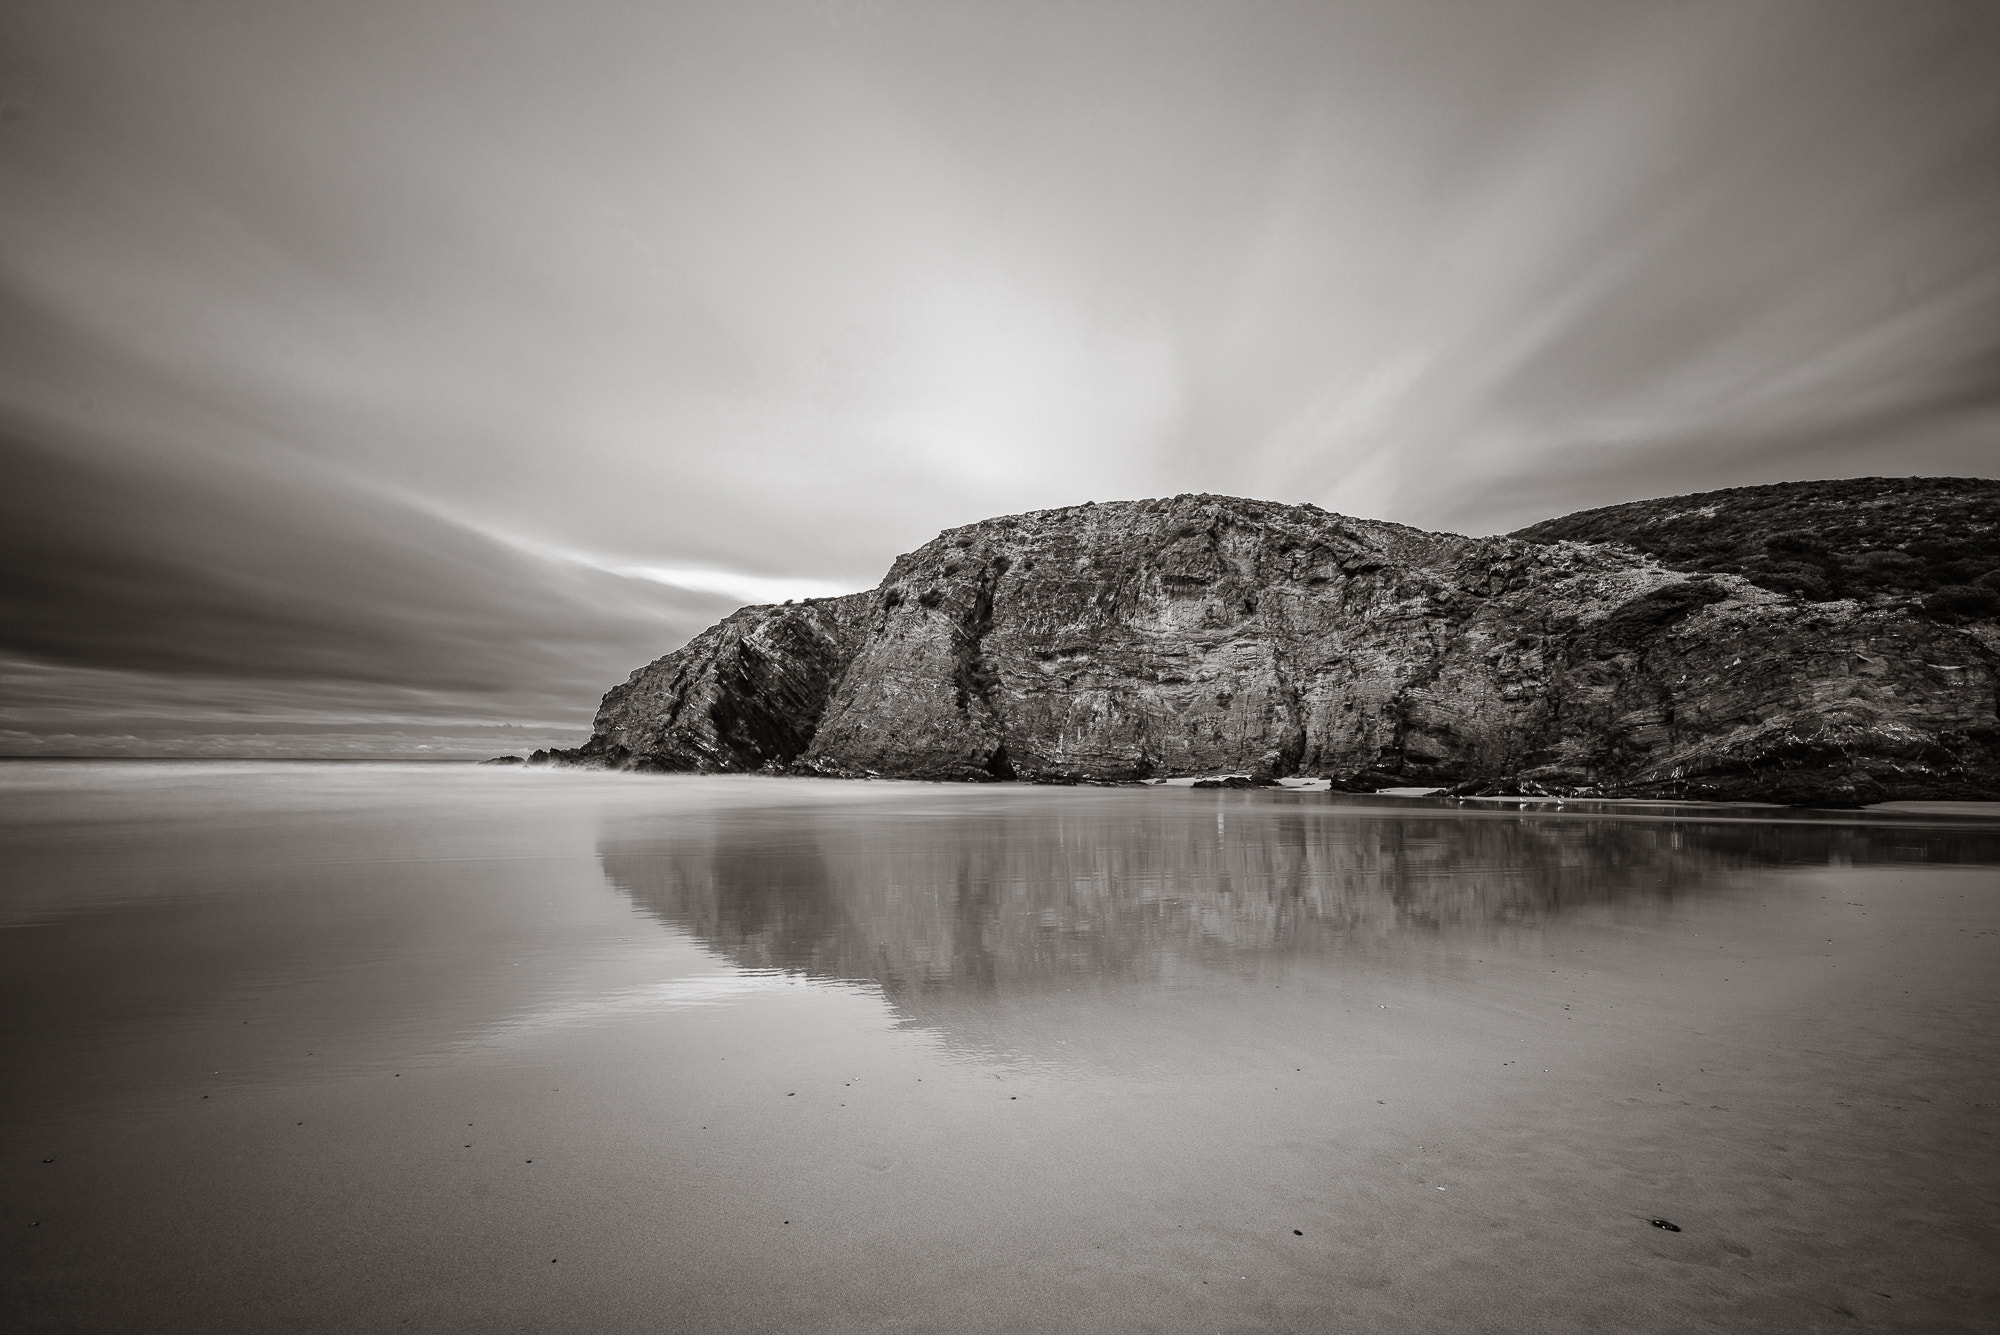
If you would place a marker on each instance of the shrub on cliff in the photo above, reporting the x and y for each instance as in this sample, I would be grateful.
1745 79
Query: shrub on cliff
1817 540
1631 625
1962 602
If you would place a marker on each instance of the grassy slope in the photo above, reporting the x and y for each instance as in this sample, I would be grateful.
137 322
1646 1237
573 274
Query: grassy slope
1936 539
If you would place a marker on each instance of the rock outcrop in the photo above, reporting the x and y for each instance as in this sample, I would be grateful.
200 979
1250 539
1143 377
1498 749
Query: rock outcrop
1933 539
745 694
1204 634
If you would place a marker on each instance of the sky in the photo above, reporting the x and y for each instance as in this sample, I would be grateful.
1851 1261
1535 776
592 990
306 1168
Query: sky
391 377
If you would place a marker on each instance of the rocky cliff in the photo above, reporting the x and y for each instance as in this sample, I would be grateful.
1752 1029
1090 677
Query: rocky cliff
1207 633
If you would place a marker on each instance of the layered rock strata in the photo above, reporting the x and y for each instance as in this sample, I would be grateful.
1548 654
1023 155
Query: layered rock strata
1202 634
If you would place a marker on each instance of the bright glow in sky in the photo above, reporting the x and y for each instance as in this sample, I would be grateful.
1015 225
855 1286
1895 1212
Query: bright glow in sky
438 364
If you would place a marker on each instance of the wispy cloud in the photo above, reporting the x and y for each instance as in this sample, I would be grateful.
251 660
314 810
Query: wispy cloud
750 588
731 583
301 318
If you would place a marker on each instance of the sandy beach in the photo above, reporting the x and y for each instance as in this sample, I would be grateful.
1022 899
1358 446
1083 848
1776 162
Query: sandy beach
340 1048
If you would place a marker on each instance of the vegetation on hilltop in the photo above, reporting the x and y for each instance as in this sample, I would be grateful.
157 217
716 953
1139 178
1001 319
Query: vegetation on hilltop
1929 539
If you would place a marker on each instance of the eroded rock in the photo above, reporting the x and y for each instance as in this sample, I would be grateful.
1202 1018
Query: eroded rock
1210 634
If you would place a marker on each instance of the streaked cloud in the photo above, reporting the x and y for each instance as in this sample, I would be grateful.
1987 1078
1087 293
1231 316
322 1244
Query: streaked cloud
736 584
730 583
486 350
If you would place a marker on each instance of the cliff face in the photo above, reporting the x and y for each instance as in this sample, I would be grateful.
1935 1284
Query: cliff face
1203 634
747 691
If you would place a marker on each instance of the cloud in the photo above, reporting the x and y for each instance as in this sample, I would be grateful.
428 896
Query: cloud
209 597
484 351
737 584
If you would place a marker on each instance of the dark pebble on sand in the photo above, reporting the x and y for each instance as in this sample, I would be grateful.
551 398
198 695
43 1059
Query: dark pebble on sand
1297 1233
1668 1225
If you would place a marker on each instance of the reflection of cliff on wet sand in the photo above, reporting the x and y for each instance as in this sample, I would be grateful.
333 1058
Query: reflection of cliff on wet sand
1021 894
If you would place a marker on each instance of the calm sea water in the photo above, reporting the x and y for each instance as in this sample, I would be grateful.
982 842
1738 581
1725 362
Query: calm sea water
347 1048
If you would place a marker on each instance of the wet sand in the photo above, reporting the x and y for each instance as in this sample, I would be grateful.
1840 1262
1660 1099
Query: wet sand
345 1048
